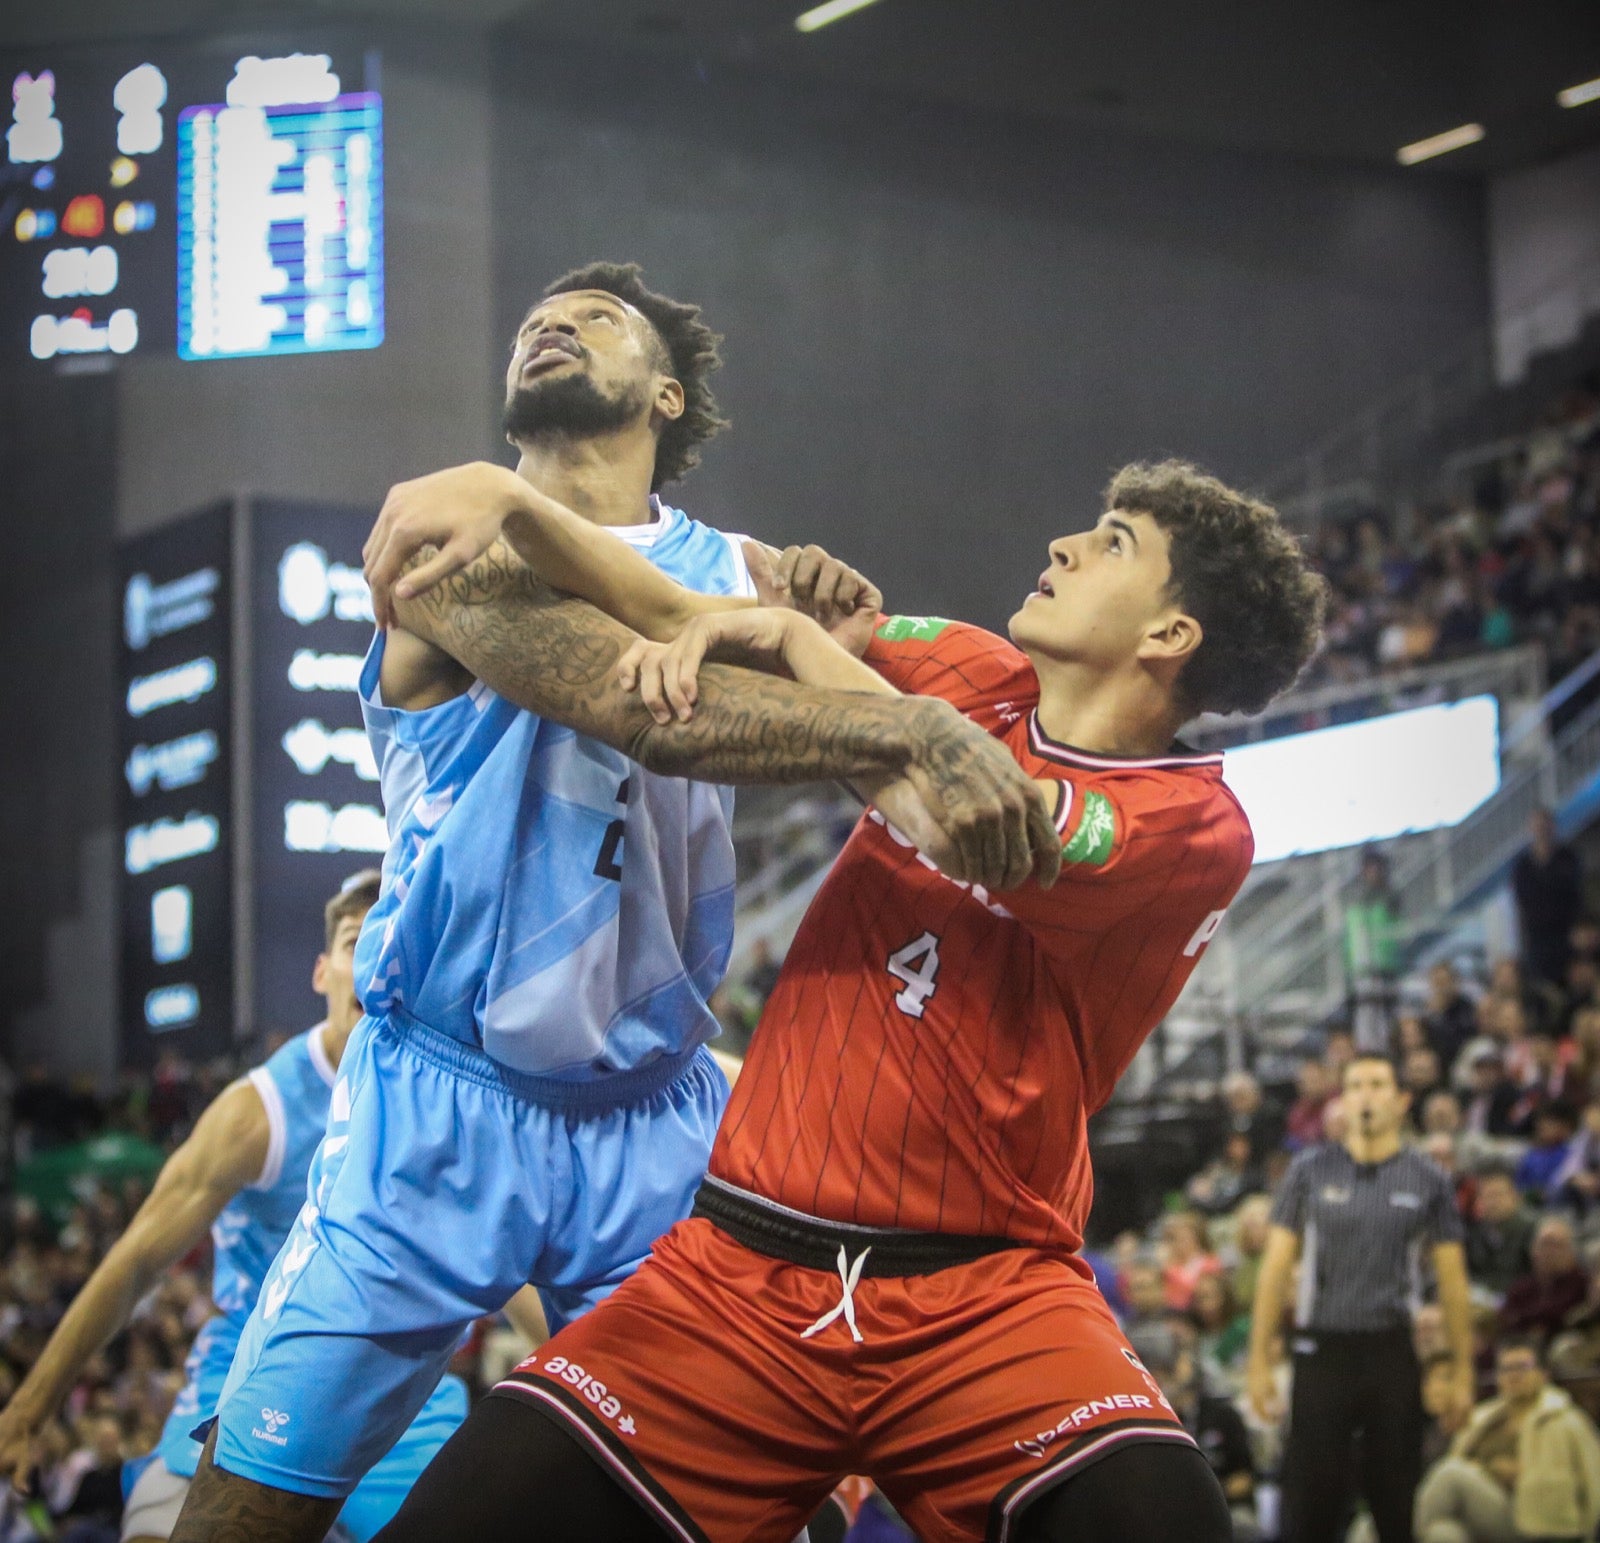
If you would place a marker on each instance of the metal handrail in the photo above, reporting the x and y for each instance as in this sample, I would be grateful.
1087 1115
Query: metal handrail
1508 673
1553 701
1432 875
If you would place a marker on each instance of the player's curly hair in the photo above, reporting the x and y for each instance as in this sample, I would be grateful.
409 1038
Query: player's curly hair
689 352
1240 574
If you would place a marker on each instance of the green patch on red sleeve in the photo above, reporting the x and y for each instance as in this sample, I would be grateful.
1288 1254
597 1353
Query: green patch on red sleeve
1093 831
897 629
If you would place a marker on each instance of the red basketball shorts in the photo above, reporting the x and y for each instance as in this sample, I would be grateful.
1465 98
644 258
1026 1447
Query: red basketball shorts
730 1391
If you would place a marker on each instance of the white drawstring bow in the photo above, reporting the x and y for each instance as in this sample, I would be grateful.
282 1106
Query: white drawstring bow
849 1277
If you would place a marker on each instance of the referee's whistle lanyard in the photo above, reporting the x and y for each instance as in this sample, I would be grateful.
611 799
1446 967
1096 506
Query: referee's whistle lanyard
849 1279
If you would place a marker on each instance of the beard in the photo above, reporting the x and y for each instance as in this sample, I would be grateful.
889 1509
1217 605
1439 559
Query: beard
569 407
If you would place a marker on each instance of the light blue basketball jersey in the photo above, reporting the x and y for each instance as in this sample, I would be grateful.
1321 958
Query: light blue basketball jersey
544 899
295 1085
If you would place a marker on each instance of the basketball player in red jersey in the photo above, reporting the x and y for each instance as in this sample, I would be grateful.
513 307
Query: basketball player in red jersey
881 1274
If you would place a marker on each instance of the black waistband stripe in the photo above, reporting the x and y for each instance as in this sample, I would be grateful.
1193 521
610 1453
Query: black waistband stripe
814 1244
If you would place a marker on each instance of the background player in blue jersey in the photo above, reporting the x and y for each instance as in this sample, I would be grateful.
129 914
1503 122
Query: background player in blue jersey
529 1096
241 1174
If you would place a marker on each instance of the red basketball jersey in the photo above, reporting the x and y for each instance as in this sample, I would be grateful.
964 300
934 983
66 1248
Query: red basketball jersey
931 1053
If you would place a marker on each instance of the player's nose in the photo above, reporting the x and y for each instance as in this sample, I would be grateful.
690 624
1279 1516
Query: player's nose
1062 551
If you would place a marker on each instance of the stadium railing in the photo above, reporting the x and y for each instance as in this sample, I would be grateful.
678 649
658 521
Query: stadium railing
1514 676
1293 961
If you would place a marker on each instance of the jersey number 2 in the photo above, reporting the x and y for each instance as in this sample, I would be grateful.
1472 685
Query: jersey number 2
608 864
916 966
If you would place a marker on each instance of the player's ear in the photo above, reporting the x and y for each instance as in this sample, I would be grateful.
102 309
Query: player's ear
668 400
1172 638
319 975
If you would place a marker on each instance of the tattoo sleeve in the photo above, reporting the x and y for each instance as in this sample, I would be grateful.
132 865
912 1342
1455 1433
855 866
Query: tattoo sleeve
557 657
224 1507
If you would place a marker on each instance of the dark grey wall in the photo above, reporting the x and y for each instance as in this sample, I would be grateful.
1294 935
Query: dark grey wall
58 450
943 332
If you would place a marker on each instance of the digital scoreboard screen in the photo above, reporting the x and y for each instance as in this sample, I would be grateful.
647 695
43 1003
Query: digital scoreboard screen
191 201
317 816
250 793
176 715
280 228
85 210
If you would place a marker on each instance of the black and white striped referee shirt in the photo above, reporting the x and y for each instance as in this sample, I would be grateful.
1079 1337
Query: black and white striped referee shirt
1363 1228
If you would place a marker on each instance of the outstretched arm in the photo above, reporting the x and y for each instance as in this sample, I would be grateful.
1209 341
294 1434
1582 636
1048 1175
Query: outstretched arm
559 658
461 512
226 1151
778 641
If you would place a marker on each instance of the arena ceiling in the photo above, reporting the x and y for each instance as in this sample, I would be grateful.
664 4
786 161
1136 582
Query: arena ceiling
1348 80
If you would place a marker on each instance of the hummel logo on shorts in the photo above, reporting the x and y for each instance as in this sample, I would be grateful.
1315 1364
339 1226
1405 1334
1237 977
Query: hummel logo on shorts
274 1420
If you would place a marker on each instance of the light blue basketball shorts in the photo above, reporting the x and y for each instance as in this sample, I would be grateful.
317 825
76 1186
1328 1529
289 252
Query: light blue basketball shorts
376 1498
444 1183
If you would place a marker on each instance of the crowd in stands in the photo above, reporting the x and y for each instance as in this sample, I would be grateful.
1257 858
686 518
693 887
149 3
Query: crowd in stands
117 1409
1513 558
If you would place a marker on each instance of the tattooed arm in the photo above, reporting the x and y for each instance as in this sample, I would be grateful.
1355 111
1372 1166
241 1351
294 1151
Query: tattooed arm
463 511
558 658
223 1507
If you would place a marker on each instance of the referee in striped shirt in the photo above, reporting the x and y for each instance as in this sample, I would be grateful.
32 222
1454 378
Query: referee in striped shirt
1358 1214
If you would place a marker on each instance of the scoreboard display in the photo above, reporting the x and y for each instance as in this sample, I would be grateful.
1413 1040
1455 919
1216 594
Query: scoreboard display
316 815
249 791
191 202
177 785
280 233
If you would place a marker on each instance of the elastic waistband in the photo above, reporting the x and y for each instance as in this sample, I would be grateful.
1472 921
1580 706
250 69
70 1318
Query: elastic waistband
780 1233
610 1090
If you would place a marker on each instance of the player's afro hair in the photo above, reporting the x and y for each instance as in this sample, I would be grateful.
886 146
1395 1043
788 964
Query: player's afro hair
690 348
1240 574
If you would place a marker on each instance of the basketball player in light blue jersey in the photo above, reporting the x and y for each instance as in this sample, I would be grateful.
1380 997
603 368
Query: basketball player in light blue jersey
529 1096
241 1174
